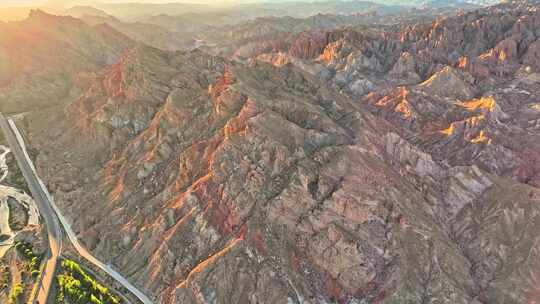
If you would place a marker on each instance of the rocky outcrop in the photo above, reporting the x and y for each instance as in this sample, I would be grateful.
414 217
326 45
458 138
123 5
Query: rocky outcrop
448 82
405 70
309 46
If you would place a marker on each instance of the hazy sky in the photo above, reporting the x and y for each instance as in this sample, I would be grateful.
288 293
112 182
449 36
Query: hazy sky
72 2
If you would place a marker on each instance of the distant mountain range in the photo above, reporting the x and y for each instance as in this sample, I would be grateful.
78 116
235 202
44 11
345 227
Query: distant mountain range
235 11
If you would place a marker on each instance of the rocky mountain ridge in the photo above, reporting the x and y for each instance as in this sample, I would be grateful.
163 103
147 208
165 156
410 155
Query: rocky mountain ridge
40 58
336 166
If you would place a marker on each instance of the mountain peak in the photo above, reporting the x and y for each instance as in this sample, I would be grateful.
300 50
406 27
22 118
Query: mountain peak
448 82
39 14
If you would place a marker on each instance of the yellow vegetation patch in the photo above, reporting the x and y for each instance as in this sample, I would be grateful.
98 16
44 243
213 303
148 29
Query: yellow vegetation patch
487 103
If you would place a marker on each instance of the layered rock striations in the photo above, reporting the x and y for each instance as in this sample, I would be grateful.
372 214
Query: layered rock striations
204 179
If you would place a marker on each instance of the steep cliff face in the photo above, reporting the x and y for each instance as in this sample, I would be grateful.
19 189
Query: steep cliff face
208 180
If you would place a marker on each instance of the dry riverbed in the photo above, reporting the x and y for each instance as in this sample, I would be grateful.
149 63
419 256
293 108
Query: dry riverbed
21 241
17 209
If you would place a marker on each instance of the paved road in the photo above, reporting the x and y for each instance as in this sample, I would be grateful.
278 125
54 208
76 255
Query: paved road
47 214
57 215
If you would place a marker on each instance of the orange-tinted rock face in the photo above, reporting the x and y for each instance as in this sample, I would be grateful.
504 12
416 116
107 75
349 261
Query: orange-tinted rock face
113 83
309 46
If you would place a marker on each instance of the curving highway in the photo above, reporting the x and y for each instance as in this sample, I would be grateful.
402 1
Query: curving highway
53 228
51 215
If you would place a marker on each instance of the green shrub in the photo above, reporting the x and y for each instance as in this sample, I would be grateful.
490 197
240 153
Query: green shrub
16 292
76 286
34 261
